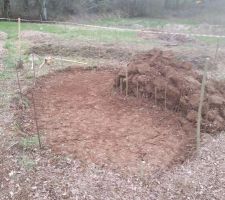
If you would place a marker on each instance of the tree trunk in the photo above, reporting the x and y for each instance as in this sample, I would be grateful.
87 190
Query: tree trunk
44 13
167 4
6 8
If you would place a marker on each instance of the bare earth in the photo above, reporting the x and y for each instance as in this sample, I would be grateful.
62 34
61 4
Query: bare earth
87 152
82 115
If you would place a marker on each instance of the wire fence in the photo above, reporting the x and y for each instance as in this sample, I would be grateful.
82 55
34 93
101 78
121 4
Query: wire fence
92 56
113 28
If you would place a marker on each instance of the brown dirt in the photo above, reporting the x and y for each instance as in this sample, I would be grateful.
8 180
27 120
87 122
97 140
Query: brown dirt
159 75
38 37
50 44
174 39
178 39
82 115
83 50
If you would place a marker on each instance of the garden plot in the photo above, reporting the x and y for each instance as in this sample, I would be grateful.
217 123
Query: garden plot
82 115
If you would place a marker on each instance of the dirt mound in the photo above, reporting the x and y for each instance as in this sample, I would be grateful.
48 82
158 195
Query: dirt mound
175 85
38 37
83 50
175 38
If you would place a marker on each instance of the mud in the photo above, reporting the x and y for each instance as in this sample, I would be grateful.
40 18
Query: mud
174 84
83 116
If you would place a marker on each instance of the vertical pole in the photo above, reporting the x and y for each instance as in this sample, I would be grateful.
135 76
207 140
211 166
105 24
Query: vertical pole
34 71
36 121
19 86
121 85
19 37
137 89
61 62
198 134
166 96
127 82
217 50
155 95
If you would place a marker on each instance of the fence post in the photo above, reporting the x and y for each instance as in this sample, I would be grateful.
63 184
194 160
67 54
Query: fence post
19 36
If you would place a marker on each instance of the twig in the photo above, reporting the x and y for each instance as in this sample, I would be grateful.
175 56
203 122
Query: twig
198 134
36 121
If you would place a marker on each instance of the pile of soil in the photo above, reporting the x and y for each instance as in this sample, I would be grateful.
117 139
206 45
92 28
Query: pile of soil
175 85
175 38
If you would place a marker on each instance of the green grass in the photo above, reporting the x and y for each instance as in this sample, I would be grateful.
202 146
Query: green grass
82 34
29 142
67 32
76 33
145 22
5 75
12 56
212 40
27 162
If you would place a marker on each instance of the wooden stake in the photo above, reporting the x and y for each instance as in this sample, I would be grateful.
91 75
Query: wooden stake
166 96
19 85
34 70
127 81
61 62
137 89
19 36
217 49
199 119
121 85
155 95
36 121
142 169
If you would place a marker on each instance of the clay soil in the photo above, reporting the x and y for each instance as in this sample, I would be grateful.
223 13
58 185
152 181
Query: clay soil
83 116
175 84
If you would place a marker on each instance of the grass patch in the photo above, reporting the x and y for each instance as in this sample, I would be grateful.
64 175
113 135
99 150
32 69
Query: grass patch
10 60
27 163
144 22
67 32
212 40
29 142
4 75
